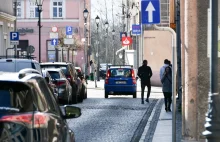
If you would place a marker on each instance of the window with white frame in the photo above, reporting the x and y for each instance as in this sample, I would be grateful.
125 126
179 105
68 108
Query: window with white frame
20 9
33 10
57 8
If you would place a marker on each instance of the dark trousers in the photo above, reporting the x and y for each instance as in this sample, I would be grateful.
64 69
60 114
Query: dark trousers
167 99
143 88
92 76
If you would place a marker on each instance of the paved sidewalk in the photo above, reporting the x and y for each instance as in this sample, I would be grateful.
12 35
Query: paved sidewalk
163 132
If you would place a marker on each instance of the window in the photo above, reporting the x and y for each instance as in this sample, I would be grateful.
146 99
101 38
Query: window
33 10
20 8
57 9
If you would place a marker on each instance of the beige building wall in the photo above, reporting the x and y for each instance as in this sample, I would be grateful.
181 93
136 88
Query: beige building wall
6 26
157 47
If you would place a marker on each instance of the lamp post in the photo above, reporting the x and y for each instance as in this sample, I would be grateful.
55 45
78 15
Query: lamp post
113 38
39 4
213 115
97 20
85 14
106 49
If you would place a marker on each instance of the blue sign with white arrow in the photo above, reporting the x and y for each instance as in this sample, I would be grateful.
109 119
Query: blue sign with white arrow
54 41
150 11
69 30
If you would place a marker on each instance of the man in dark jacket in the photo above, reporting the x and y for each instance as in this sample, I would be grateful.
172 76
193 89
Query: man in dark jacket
145 73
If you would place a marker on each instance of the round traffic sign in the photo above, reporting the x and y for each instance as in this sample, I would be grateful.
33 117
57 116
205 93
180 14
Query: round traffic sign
30 49
54 29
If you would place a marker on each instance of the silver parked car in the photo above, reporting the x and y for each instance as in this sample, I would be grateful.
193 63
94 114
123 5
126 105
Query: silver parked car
64 88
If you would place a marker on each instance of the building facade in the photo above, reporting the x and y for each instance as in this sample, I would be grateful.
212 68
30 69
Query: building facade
6 26
58 13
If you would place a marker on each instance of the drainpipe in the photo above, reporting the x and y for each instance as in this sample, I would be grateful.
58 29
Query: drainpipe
173 77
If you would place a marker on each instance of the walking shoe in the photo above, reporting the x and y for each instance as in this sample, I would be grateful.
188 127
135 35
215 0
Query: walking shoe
166 109
142 102
169 109
147 100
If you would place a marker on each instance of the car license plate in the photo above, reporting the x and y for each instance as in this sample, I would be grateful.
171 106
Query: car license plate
120 82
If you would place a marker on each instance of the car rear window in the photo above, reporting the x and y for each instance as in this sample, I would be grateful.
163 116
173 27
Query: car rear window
7 66
15 97
54 74
63 67
120 72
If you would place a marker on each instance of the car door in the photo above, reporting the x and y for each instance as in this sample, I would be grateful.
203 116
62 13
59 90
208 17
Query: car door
56 127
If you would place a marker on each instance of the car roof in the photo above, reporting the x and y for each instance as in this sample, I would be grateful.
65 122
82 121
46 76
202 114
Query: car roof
14 77
55 63
18 60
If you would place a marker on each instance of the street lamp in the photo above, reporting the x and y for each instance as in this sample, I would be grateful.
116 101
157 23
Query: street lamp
113 38
85 14
97 20
106 50
39 4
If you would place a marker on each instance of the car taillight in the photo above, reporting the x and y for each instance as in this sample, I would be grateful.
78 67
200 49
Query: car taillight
107 77
133 77
38 121
59 83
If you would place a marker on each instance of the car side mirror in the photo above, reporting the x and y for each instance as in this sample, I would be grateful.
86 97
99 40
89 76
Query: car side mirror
47 79
71 112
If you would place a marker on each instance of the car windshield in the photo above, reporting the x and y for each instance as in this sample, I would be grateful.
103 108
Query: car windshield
120 72
10 66
15 97
54 75
63 67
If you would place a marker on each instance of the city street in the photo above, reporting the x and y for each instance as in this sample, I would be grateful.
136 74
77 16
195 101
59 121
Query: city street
116 119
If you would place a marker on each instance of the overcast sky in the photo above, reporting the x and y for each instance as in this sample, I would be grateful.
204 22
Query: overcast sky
98 8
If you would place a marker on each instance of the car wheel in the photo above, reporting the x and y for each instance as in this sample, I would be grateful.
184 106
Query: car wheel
135 95
106 95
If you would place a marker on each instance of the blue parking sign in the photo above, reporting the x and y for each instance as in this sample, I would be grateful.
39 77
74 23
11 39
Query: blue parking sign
14 36
69 30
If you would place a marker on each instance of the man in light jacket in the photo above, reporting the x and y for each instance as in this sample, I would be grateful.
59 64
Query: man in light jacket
162 69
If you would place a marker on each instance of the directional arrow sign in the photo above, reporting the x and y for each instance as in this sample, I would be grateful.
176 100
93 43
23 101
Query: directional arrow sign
150 11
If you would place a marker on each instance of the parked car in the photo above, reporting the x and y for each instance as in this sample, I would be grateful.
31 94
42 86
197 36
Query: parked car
71 75
120 80
15 65
50 82
64 89
29 111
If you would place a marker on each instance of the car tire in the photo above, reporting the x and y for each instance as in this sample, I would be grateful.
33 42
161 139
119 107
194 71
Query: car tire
106 95
83 92
135 95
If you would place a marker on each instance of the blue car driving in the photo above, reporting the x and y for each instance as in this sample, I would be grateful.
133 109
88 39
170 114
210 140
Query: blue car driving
120 80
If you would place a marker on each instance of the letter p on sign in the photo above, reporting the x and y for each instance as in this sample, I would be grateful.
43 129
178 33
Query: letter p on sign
14 36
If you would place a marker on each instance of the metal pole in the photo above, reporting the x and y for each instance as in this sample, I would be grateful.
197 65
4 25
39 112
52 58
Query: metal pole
178 40
113 50
39 11
173 78
213 115
85 53
137 52
98 73
15 25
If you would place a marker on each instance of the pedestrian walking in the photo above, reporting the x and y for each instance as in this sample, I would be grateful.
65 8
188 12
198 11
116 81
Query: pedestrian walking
166 81
92 70
162 69
145 73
